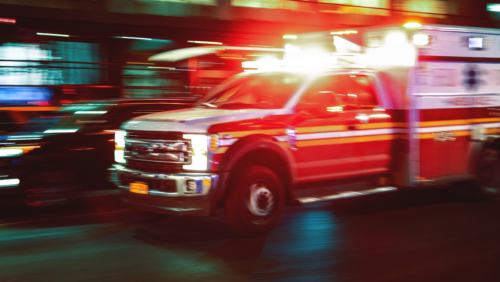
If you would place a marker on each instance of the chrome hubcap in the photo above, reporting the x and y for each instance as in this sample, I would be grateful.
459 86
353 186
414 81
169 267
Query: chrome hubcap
261 201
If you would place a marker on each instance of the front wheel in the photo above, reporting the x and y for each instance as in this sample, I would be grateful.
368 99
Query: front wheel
256 201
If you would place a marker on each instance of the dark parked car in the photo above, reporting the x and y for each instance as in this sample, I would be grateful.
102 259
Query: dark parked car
65 154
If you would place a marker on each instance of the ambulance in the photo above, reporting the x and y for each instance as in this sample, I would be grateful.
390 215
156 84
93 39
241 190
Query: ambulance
343 113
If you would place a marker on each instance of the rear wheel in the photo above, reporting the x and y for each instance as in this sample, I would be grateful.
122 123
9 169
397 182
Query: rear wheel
487 185
256 201
488 170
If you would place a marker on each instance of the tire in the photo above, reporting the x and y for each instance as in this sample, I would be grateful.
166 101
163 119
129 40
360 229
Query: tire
256 201
487 186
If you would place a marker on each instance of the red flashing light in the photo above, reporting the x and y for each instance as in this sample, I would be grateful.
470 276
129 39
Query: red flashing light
7 21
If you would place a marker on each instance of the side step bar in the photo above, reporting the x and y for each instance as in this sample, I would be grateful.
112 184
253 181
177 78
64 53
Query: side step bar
307 200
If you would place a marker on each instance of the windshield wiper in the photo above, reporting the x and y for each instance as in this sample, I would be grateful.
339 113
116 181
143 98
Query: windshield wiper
239 105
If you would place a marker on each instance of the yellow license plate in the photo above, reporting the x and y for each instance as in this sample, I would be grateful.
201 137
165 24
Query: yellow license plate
139 187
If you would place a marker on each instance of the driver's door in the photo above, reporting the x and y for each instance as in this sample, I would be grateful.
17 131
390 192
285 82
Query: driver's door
328 146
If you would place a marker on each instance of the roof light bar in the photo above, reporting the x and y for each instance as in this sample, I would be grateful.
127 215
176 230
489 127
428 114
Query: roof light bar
344 32
52 34
412 25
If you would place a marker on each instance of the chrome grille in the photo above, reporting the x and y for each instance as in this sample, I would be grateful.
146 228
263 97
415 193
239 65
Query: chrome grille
165 151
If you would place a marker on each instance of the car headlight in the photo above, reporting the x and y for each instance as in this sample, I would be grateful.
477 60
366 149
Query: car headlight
199 147
120 146
15 151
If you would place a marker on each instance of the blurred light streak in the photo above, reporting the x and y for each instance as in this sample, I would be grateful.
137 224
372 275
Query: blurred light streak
139 63
290 36
7 21
205 42
168 68
344 32
61 130
493 7
130 37
90 112
9 182
52 34
6 152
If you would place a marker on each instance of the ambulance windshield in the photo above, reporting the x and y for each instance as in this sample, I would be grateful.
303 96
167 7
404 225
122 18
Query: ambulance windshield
261 91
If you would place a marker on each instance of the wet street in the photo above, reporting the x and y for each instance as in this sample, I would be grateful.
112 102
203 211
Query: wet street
397 236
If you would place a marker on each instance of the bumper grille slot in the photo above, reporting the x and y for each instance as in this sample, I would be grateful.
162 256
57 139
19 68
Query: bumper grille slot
153 166
153 135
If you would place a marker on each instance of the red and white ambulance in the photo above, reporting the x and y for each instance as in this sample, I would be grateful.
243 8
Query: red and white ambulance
344 113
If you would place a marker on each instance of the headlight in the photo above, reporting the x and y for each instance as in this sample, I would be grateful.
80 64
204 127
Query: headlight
120 146
15 151
199 146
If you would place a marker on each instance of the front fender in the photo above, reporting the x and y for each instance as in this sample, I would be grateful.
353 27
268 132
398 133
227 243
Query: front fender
251 143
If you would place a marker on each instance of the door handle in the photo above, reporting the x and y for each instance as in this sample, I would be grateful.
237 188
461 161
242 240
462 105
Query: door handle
351 127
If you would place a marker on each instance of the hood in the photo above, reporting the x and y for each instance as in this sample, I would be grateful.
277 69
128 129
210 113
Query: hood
197 116
195 120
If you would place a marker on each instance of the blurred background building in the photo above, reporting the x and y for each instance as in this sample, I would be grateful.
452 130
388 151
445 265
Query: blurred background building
59 51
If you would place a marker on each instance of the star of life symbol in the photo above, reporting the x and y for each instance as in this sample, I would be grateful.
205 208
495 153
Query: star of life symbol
472 80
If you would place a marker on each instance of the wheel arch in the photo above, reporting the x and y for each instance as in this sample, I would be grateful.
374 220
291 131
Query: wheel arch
491 142
261 150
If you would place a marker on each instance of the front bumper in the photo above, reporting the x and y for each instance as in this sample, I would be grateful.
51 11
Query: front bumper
180 194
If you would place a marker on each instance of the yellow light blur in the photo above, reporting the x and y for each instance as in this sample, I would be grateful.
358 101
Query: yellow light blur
214 142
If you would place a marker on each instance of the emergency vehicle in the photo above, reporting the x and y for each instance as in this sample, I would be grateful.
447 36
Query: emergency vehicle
354 112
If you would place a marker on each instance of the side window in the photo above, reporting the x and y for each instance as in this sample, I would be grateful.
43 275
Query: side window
333 85
361 90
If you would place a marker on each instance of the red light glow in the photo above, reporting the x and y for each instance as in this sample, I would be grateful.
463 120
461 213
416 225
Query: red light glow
7 21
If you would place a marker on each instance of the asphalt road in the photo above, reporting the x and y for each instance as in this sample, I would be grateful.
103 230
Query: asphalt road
397 236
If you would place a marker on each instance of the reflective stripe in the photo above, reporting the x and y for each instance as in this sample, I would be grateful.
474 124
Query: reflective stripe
320 142
250 132
340 134
456 127
457 122
443 128
321 128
